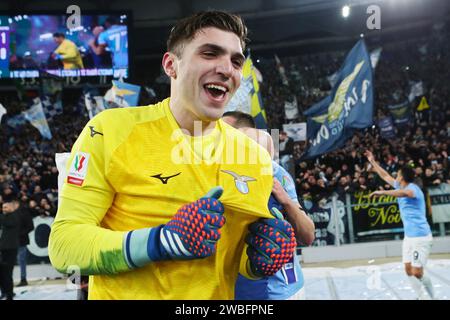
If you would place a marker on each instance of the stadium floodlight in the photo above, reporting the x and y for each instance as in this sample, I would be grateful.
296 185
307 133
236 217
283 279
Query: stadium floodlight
345 11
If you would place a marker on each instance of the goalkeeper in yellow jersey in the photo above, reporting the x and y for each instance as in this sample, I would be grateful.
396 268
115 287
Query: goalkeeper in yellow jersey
167 201
67 52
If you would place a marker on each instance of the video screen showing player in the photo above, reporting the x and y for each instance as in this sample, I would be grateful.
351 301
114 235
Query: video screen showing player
113 37
44 43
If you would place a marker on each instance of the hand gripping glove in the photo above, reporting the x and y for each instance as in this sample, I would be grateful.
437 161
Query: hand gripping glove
191 234
271 244
273 203
194 230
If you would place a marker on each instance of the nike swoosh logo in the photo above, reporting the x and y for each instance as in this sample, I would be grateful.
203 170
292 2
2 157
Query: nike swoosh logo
164 180
93 132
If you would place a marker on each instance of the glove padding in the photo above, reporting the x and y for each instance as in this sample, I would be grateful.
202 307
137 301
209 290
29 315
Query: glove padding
271 244
194 230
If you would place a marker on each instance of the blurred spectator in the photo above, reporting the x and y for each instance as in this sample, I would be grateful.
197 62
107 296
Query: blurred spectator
25 227
9 242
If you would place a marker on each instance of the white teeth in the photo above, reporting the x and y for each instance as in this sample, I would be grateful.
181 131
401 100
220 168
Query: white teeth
214 86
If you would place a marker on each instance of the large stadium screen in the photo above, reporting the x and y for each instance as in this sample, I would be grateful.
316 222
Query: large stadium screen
33 45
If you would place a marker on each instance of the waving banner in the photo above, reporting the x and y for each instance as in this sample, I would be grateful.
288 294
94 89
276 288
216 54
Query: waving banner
349 107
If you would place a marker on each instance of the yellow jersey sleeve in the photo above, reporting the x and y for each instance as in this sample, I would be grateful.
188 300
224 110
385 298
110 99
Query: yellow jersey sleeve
77 238
67 50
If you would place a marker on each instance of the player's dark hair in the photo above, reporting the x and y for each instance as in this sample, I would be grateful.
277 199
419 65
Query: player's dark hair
59 35
186 29
242 119
408 173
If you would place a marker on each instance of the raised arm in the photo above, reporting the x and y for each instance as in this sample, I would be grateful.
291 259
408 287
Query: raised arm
401 193
303 225
378 169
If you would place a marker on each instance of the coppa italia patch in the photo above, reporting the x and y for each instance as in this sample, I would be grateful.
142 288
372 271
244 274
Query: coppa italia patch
78 169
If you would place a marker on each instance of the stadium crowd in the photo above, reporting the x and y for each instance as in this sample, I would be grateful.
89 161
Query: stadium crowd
28 169
423 142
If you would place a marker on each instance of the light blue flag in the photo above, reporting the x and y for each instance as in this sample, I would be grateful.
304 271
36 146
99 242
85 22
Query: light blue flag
16 121
52 106
36 116
125 94
350 104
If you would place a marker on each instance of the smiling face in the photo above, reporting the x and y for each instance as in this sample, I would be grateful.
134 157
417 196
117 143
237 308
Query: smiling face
205 75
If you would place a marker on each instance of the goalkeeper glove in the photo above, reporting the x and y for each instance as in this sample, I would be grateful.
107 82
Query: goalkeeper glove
191 234
274 203
271 244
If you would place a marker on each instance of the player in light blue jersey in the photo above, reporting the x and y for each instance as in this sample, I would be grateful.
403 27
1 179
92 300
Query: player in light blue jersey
418 238
288 283
114 39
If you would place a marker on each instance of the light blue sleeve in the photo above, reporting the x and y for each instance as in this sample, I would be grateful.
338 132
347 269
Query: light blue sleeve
413 188
285 180
102 37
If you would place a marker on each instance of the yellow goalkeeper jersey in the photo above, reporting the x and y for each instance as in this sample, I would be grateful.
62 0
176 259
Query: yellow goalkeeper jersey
71 57
132 168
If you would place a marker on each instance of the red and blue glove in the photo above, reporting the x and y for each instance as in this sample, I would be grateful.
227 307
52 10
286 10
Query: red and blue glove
271 244
192 233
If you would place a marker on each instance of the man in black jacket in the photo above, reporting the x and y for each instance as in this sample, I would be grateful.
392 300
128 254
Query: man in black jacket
26 226
9 242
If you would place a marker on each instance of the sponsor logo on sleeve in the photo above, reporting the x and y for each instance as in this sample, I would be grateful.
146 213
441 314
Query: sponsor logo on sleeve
78 169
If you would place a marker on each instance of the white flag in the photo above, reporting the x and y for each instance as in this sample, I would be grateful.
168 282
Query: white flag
2 111
94 105
332 79
416 90
61 161
241 99
36 116
258 74
375 56
296 131
281 71
291 109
